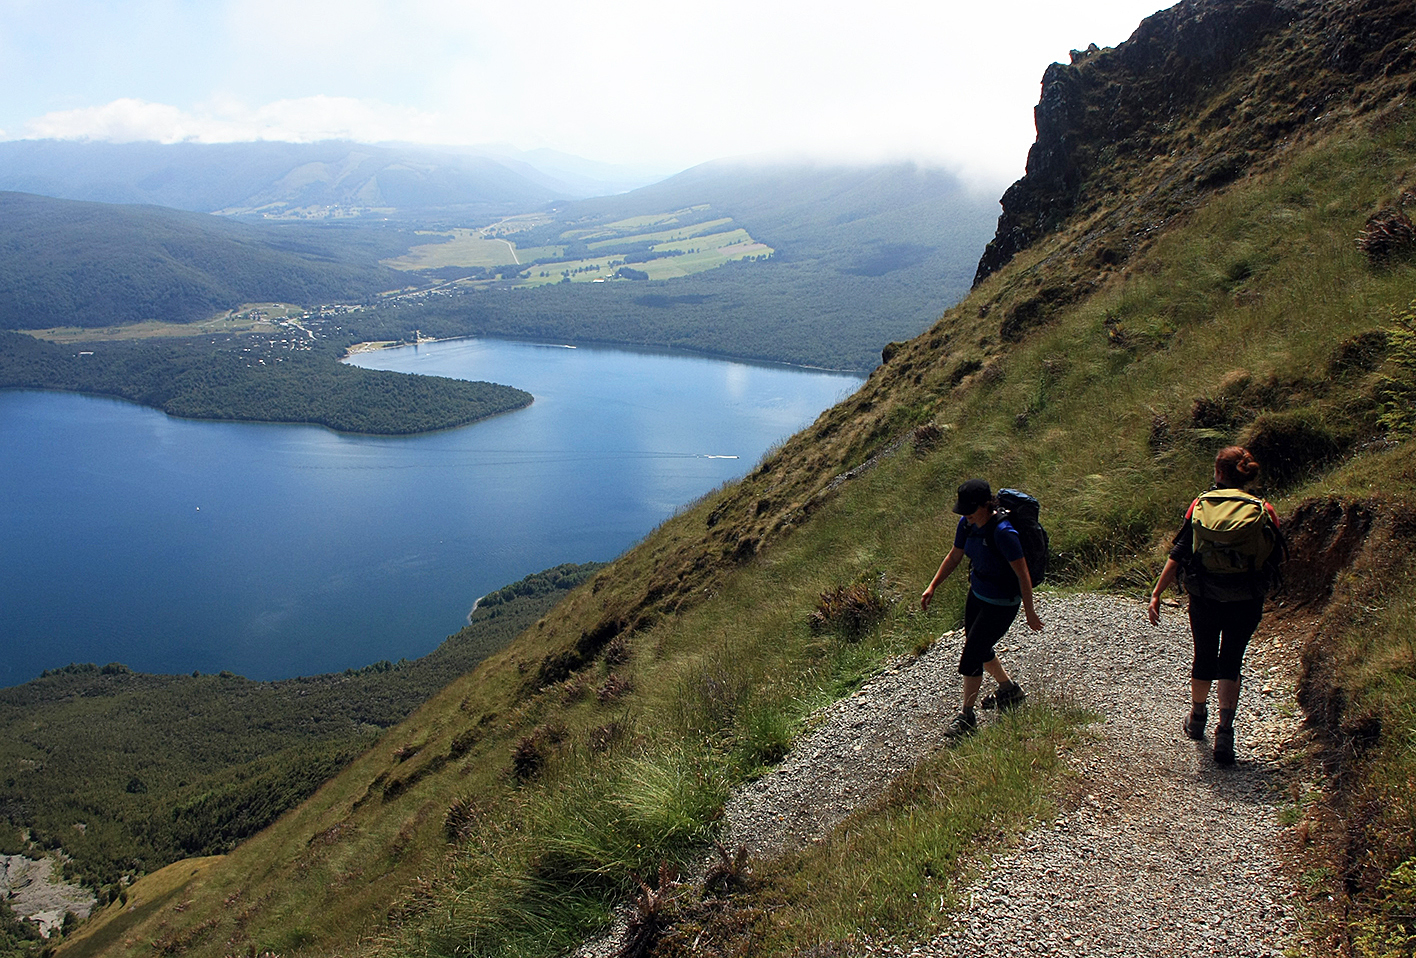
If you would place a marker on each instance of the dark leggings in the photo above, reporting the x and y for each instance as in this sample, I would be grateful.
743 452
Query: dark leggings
1222 631
984 624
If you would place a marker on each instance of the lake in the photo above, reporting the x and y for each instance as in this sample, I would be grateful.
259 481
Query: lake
273 550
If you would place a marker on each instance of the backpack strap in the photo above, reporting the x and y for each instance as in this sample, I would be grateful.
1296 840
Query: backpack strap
990 530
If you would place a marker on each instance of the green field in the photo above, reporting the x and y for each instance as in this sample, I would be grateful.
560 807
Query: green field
677 247
460 247
248 318
671 236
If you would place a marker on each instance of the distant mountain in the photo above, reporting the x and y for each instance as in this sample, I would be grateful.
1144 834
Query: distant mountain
860 256
848 214
582 177
70 263
301 180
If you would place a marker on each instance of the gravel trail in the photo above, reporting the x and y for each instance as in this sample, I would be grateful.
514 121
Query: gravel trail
1160 852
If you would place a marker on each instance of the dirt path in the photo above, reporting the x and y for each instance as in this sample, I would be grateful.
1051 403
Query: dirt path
1163 852
1159 852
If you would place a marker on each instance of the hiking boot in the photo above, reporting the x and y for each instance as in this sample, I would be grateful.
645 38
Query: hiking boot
1224 745
965 723
1194 724
1010 696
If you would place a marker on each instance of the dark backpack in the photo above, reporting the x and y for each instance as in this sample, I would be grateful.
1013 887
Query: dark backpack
1021 510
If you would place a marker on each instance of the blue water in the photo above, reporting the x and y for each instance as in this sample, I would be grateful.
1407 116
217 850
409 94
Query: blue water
273 551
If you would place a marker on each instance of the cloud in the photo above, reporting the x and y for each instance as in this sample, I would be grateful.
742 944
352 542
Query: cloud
302 120
632 81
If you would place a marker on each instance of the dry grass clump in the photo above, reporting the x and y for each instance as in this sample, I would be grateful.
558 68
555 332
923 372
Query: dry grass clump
926 437
529 754
615 686
849 610
1388 233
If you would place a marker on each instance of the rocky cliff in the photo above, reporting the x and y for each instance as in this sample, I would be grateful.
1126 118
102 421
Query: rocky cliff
1199 94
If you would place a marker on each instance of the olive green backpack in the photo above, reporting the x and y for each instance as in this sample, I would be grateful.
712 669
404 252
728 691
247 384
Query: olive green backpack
1234 535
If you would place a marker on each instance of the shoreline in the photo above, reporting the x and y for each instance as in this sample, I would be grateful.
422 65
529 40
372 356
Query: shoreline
374 346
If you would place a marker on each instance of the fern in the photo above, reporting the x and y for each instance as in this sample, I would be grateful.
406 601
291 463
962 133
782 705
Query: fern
1397 390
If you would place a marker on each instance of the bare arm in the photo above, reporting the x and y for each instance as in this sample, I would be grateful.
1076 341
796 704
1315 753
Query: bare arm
950 563
1020 569
1167 576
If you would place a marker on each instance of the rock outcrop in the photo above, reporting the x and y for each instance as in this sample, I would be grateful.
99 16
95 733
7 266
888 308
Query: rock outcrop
1200 92
35 893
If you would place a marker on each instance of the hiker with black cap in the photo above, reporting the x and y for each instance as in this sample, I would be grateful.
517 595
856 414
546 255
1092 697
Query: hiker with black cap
999 583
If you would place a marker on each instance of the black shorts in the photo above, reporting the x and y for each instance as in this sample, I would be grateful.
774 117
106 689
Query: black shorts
1222 631
984 624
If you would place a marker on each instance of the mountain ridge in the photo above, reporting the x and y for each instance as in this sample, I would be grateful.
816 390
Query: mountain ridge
304 180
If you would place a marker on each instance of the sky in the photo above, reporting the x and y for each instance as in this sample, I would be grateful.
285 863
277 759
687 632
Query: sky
654 84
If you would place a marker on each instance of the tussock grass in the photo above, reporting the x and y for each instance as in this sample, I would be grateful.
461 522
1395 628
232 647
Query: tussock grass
538 875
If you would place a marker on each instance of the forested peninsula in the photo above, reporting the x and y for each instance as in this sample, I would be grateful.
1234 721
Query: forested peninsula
247 381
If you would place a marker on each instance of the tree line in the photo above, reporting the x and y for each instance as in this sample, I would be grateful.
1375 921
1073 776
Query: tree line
232 382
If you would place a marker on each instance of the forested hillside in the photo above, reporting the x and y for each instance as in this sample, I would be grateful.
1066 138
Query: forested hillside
851 258
264 382
68 263
103 744
1212 244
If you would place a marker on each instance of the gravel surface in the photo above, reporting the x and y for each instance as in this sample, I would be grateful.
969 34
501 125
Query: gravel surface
1158 851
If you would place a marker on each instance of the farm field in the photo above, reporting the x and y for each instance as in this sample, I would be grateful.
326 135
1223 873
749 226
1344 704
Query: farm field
248 318
660 245
469 247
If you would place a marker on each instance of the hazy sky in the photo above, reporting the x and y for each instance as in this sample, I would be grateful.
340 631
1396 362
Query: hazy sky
653 83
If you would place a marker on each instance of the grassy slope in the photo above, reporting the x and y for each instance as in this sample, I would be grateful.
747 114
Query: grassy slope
689 662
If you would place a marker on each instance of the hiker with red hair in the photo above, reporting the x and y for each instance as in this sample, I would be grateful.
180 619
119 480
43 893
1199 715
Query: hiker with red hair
1226 556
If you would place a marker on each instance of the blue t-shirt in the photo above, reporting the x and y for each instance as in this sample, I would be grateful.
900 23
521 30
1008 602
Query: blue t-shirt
991 577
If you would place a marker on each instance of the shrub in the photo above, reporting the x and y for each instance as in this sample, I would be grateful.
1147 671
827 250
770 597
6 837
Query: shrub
1290 445
849 610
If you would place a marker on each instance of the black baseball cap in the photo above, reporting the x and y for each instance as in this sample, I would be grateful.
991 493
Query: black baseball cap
972 494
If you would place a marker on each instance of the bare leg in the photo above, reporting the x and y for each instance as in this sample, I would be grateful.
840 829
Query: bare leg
1228 694
972 683
994 667
1200 690
1228 701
